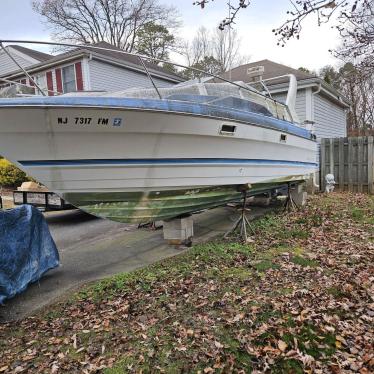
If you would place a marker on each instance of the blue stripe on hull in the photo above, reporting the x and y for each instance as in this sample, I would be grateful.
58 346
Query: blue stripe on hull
166 161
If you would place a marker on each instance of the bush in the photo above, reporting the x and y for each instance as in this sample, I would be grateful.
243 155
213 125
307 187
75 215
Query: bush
10 175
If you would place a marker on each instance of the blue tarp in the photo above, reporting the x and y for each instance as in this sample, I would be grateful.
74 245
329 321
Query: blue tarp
27 249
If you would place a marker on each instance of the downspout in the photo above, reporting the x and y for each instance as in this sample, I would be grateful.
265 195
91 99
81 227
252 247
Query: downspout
88 72
291 97
315 174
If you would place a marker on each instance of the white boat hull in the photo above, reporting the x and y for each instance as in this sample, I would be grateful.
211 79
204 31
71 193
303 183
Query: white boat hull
86 154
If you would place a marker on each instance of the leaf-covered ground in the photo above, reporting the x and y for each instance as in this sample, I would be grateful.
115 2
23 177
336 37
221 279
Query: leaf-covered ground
298 298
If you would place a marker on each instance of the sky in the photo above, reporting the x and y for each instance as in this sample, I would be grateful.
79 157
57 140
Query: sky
254 25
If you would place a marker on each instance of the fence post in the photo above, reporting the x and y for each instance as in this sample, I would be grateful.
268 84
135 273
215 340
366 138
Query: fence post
371 165
341 164
332 159
323 164
350 164
360 163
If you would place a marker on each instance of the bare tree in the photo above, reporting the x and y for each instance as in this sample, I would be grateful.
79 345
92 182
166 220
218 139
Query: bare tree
357 85
199 48
354 19
218 47
226 46
355 23
357 31
234 10
114 21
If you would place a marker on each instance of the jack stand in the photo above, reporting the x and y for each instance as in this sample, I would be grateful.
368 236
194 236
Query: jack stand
242 221
290 205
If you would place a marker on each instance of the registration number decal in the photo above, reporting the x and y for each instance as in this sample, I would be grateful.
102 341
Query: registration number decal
103 121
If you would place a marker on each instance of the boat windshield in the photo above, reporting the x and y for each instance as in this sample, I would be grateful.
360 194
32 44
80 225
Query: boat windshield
218 94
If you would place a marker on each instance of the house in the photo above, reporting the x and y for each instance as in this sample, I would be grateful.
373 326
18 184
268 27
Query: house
93 70
316 101
24 56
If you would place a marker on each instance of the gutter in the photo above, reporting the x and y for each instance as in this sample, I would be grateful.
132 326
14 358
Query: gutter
92 55
314 82
319 89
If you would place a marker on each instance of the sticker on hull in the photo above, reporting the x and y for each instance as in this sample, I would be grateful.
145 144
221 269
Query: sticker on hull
101 121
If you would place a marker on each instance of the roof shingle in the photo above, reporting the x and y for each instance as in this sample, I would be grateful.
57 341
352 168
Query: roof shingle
120 57
271 70
40 56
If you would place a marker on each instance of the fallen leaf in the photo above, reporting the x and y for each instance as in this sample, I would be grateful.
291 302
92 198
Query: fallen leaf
282 345
218 345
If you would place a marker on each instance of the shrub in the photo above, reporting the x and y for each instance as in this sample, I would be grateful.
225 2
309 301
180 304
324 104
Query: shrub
10 175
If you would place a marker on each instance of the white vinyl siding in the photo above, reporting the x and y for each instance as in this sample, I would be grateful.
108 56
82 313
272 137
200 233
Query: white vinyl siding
7 65
300 106
330 119
281 97
108 77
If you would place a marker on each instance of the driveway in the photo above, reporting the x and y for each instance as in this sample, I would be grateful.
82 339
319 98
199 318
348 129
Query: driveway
91 248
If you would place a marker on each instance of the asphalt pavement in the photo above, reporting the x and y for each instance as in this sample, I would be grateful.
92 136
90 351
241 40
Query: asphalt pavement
91 248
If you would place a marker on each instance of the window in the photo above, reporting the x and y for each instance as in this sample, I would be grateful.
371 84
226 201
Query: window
41 81
68 79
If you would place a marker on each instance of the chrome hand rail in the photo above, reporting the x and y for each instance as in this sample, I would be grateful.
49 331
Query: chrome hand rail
138 56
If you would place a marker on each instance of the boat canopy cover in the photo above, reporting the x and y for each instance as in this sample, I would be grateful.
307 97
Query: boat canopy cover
27 249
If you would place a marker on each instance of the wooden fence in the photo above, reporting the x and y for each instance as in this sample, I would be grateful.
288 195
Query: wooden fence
351 160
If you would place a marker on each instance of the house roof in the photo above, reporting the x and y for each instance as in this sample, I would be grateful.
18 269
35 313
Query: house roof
115 55
131 59
271 70
36 55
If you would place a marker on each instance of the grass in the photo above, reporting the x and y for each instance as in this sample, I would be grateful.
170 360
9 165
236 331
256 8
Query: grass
220 307
302 261
337 292
265 265
361 215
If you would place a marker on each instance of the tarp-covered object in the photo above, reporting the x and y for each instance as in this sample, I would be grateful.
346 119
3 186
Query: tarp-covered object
27 249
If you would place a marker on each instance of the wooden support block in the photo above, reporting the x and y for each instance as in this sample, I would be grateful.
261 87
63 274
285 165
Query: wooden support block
178 231
299 194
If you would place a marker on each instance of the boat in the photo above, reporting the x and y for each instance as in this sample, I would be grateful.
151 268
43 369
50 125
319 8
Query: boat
143 155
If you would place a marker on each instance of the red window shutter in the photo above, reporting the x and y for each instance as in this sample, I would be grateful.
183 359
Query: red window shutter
49 83
58 80
78 76
23 81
